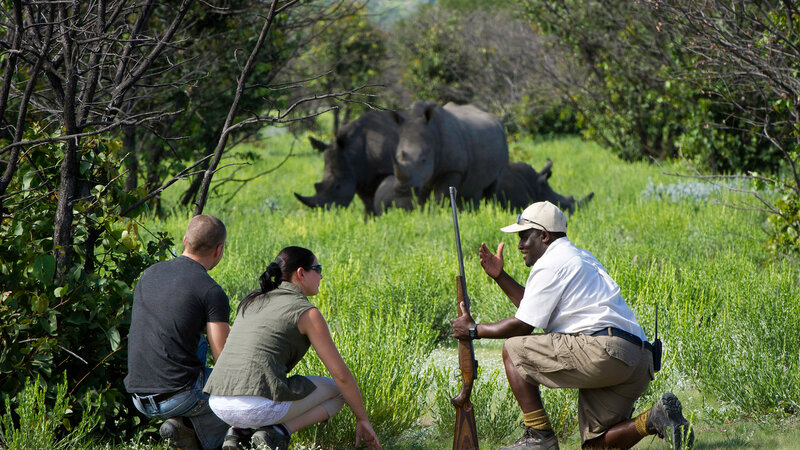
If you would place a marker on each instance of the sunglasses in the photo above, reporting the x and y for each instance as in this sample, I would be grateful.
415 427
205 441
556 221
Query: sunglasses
317 268
521 219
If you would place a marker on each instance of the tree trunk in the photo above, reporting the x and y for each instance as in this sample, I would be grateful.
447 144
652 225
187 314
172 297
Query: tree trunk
153 175
336 121
62 232
132 159
62 228
191 193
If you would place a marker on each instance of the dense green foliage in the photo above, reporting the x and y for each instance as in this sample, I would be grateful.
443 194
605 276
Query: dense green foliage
643 95
714 82
78 325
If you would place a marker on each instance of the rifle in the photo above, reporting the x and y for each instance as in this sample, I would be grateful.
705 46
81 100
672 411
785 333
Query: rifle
466 433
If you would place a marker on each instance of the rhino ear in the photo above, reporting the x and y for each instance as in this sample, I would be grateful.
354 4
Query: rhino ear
317 144
397 117
341 141
547 171
430 111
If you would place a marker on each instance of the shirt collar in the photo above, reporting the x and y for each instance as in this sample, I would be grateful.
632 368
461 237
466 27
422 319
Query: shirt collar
551 248
289 286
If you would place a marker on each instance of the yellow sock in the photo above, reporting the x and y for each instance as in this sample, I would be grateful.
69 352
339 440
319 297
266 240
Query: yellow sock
641 423
537 420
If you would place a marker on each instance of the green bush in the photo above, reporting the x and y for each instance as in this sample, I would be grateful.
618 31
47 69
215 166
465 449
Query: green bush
643 94
76 325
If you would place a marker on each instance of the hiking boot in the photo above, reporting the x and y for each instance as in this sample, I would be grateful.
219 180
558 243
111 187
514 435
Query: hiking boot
269 437
666 419
178 435
235 437
535 439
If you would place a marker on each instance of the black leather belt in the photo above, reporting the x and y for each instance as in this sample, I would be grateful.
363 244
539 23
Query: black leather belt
158 398
616 332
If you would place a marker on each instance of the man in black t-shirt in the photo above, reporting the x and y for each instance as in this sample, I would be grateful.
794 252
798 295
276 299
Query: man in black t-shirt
175 303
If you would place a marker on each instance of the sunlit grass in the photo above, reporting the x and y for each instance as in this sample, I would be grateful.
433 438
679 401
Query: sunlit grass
728 317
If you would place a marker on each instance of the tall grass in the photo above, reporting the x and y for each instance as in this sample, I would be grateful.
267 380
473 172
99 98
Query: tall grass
32 423
729 314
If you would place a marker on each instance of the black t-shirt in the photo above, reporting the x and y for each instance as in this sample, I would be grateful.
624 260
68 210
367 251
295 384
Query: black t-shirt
172 303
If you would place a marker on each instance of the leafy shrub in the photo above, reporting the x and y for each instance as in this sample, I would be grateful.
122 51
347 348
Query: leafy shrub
76 325
643 94
33 425
784 227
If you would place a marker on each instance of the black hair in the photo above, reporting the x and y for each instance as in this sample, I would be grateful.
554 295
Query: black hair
286 263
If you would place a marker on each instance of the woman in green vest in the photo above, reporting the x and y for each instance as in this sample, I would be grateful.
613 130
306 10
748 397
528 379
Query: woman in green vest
274 327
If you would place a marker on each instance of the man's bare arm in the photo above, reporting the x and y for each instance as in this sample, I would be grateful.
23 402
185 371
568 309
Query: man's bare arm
510 287
502 329
217 335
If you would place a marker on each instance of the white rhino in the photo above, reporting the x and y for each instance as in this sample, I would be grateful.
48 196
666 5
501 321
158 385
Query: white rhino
439 147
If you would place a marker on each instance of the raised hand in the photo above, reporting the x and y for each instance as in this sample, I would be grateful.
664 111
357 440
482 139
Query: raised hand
492 263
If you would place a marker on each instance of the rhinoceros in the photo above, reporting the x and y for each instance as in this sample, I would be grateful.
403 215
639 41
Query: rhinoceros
520 185
356 162
439 147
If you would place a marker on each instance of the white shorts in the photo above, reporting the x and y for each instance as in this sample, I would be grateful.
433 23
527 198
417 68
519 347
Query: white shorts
248 411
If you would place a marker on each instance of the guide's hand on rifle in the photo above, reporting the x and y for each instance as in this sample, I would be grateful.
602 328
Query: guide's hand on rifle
492 264
462 323
366 435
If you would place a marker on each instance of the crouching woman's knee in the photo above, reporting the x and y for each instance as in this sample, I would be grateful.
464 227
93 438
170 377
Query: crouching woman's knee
331 396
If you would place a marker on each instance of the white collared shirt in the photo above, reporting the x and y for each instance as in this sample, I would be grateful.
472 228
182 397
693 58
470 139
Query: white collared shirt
569 291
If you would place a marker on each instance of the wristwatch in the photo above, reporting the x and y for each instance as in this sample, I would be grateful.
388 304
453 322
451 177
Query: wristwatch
473 331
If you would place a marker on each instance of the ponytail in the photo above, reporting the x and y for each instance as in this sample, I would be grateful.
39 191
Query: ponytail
288 260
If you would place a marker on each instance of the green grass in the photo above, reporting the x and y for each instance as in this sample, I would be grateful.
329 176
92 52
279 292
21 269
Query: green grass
729 314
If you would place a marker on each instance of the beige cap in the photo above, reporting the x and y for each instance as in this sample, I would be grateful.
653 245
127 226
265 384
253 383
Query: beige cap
541 216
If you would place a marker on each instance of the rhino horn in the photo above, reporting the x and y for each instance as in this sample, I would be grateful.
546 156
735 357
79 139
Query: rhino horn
317 144
308 201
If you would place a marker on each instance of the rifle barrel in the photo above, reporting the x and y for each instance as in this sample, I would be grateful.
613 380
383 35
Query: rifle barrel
458 240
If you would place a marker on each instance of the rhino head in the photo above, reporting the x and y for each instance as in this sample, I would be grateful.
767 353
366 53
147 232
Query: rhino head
542 191
414 158
338 185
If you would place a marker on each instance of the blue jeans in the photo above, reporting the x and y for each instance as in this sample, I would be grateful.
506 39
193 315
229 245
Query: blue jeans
191 403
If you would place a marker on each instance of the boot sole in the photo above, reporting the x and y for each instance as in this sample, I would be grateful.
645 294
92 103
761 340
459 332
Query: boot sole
682 433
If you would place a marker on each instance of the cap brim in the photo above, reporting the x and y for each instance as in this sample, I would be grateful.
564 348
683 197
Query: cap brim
516 227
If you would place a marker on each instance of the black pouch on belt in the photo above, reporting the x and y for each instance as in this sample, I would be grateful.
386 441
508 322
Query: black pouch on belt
656 347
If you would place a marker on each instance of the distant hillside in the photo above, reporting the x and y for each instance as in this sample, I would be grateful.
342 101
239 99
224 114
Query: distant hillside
388 11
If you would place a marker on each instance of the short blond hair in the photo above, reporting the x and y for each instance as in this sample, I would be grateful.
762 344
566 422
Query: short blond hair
203 234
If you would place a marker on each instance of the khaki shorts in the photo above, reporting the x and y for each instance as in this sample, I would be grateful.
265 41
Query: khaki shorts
609 372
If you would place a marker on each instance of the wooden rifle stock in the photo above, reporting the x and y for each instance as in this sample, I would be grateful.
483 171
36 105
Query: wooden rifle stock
466 433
